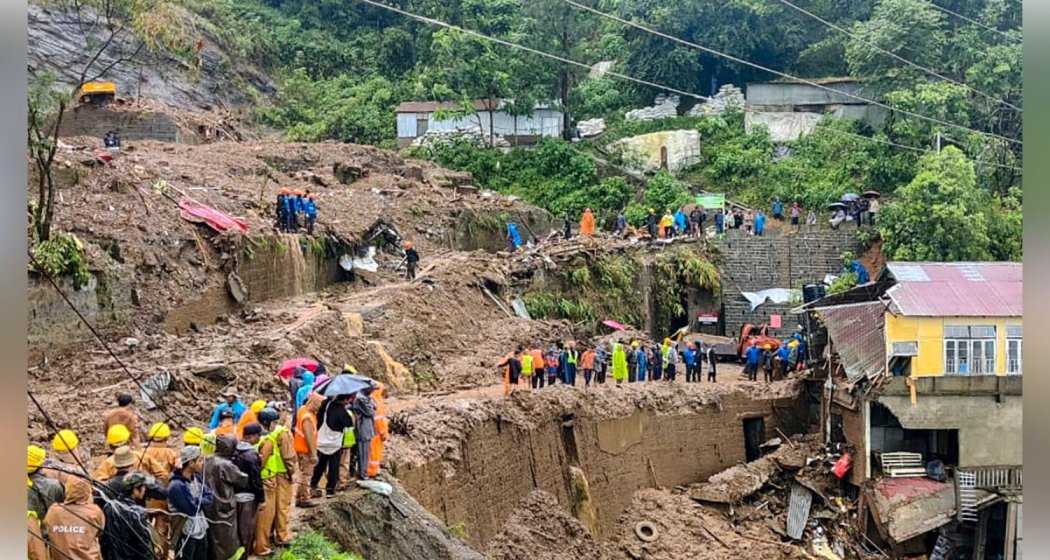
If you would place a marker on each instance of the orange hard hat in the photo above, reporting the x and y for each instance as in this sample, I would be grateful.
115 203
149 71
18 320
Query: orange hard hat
311 196
286 190
408 244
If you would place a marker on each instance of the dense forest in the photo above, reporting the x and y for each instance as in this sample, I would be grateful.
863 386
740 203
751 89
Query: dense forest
342 66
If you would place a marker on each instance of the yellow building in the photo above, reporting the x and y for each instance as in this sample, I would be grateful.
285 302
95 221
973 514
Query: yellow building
954 319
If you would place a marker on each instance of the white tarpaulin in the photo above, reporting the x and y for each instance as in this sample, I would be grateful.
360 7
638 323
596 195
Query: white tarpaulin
774 295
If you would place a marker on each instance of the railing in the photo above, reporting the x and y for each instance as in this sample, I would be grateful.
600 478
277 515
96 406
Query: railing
996 478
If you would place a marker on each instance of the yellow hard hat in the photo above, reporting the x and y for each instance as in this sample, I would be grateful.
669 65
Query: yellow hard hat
258 405
65 440
117 435
635 344
207 444
667 340
159 431
193 436
35 458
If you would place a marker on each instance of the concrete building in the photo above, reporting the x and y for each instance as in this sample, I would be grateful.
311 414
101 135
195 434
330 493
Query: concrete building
416 118
925 367
790 109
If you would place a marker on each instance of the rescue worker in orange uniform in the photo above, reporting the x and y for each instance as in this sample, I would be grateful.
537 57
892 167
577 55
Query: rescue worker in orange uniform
249 416
73 527
306 447
118 436
124 414
278 456
226 426
381 425
66 457
587 223
160 460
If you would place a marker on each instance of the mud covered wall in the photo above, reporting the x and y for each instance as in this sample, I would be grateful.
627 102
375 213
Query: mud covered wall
105 301
488 232
501 463
270 268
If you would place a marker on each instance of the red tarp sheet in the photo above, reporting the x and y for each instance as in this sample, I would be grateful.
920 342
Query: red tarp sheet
194 211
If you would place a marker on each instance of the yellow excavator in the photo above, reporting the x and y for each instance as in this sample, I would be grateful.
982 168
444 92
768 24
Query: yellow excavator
97 93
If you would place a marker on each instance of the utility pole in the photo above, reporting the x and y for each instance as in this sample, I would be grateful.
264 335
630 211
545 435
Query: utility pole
938 142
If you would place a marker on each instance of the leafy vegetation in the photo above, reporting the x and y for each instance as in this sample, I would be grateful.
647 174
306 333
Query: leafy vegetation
62 254
314 546
604 288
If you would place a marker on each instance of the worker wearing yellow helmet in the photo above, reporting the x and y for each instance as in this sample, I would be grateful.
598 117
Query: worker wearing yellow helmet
159 459
193 436
250 416
43 491
117 436
66 456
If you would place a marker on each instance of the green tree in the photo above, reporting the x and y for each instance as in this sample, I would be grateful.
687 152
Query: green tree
940 215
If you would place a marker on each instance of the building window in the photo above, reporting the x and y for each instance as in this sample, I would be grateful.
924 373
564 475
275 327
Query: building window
1014 349
969 349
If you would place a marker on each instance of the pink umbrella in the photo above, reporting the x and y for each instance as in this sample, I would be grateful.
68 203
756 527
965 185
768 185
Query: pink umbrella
288 366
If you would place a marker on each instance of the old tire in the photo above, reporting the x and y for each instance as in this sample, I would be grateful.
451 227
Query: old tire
646 531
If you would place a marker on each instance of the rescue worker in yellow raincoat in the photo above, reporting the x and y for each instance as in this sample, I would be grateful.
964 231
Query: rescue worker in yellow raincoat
117 436
619 363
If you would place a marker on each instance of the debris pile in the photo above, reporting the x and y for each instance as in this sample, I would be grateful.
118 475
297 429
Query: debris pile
728 98
541 529
664 107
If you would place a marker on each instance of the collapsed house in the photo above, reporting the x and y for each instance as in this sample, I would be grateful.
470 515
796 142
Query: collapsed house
923 388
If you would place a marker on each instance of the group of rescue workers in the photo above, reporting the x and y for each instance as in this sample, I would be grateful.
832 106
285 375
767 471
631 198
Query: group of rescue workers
295 209
561 362
225 494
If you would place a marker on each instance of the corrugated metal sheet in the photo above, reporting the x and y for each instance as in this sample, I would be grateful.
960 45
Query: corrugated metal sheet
857 332
993 289
798 510
431 106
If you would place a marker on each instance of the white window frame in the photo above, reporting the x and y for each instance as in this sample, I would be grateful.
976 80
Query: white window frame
1019 369
967 348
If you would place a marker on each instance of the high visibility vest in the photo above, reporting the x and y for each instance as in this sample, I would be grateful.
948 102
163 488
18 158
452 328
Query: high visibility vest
571 358
526 365
301 446
382 425
274 463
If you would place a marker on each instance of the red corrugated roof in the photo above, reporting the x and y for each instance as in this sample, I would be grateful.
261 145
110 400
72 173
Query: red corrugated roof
965 289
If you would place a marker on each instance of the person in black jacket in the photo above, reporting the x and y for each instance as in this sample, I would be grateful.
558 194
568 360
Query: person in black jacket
126 534
246 458
334 416
411 261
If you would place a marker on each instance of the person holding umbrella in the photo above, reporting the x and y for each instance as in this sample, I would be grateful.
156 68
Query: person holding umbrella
838 215
332 420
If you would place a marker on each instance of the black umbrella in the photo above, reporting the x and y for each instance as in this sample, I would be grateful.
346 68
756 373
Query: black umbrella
344 384
872 194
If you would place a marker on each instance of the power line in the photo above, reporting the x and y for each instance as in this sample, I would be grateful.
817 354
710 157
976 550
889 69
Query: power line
506 43
898 57
36 266
973 21
782 74
611 73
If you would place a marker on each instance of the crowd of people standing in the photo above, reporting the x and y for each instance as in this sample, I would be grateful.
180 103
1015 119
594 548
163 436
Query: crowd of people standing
563 362
225 493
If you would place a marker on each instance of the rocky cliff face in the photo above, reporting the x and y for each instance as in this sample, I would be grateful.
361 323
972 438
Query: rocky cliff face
58 43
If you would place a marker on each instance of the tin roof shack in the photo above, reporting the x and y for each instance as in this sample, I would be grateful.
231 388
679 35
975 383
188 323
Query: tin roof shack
925 366
489 120
790 109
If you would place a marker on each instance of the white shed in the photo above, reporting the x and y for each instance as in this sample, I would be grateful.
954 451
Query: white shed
415 118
